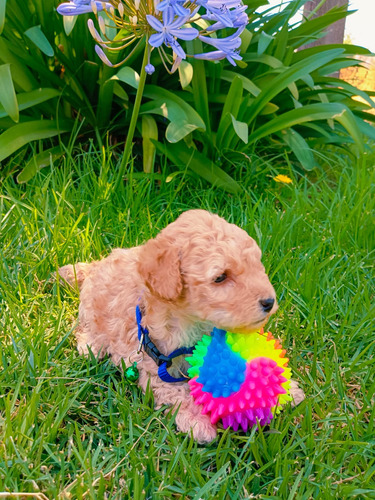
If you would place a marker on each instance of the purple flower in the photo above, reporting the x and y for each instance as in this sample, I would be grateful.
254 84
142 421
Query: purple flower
170 23
94 33
219 4
76 7
238 18
100 52
227 12
176 5
227 44
217 11
149 68
217 55
170 30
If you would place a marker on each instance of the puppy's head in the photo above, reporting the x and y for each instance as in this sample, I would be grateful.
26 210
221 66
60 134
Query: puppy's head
211 270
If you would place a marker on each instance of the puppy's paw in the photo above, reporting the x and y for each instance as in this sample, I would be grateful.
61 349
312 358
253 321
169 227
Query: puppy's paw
200 425
296 392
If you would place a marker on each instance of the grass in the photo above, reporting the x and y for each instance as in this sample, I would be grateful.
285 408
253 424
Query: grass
71 427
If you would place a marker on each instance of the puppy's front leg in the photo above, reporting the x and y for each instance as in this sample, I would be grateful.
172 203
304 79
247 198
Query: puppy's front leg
177 395
189 417
296 392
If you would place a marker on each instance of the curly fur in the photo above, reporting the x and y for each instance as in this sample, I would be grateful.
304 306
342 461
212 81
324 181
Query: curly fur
173 277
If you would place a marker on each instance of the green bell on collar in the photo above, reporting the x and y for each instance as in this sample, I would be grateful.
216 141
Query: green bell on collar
132 373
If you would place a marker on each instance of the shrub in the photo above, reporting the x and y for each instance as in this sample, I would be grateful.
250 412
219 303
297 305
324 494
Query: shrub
282 97
49 76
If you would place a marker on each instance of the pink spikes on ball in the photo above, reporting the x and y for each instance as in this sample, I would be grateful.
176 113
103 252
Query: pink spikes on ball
242 379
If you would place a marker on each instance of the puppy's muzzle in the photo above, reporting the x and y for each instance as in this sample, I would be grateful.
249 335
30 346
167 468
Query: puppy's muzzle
267 304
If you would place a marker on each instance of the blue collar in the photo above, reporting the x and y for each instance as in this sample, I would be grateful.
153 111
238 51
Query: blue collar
161 360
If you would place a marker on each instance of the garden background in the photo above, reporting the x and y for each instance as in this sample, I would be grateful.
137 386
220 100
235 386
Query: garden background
278 145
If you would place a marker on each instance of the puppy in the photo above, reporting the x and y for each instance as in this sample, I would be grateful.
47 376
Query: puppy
199 272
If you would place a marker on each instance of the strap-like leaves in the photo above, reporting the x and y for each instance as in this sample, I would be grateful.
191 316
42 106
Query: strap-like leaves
8 99
29 99
300 148
39 161
182 117
3 4
23 133
312 112
37 36
149 135
184 157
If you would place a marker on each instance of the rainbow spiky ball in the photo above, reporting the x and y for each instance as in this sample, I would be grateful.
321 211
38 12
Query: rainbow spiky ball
241 378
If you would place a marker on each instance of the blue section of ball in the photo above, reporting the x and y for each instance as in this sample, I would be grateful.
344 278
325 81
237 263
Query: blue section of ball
223 371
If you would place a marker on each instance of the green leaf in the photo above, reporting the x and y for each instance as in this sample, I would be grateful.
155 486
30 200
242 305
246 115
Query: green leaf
120 92
294 90
225 122
281 42
247 84
308 80
38 162
3 4
21 75
8 98
353 91
177 131
290 75
30 99
184 157
256 3
185 71
246 37
149 132
269 108
264 41
300 148
183 118
316 26
348 49
241 129
347 120
199 85
18 136
308 113
231 107
271 61
69 22
179 126
104 105
365 127
36 35
339 64
127 75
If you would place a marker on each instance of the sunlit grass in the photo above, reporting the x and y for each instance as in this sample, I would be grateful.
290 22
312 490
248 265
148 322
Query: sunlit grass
73 428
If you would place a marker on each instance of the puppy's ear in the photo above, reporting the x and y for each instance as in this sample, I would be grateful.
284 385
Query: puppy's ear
159 266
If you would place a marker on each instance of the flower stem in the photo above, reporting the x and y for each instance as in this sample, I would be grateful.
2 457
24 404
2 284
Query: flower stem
133 121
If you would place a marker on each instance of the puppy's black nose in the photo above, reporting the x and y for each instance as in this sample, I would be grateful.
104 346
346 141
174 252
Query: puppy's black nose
267 304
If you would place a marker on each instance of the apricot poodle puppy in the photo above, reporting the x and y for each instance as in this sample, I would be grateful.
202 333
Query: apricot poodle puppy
199 272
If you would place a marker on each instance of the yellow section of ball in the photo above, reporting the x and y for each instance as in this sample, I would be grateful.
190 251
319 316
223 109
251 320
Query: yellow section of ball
258 344
255 345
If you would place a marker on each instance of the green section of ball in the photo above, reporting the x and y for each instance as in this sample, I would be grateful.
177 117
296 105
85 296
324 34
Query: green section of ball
196 360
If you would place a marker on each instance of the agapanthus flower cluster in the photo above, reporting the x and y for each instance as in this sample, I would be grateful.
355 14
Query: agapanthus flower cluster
165 24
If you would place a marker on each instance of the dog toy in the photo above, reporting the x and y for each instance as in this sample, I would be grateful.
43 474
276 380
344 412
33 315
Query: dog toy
241 378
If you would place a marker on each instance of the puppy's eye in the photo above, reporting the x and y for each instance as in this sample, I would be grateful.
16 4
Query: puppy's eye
221 278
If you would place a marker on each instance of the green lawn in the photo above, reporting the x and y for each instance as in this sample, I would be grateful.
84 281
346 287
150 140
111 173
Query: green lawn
73 428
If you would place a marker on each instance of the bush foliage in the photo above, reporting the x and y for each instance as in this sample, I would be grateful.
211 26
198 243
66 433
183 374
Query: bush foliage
208 116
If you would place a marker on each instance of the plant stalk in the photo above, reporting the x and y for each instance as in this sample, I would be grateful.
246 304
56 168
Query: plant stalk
133 121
